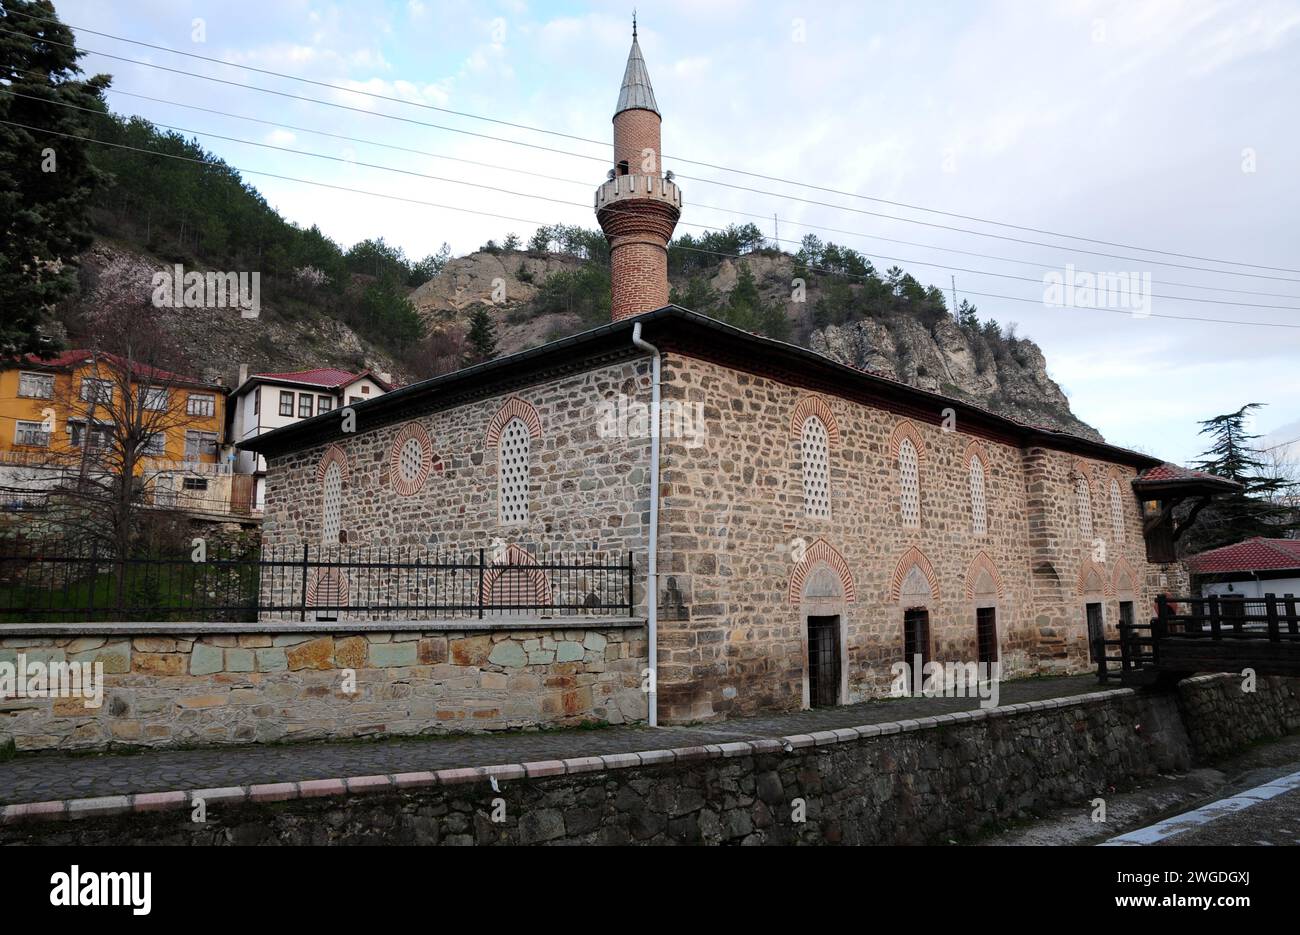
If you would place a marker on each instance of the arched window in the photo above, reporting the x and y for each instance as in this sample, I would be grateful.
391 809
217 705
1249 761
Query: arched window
331 505
1083 497
909 483
512 468
978 505
1116 512
815 447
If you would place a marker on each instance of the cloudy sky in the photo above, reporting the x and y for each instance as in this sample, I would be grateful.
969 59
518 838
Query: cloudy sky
1151 126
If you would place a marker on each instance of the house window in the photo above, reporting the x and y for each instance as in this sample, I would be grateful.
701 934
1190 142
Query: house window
1116 513
96 390
194 483
986 634
155 446
916 637
198 444
100 436
305 401
1083 498
512 467
201 404
324 404
909 483
153 398
286 403
331 505
816 468
36 385
32 434
353 400
978 505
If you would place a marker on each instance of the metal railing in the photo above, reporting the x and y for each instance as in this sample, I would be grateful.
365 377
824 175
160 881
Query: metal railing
60 583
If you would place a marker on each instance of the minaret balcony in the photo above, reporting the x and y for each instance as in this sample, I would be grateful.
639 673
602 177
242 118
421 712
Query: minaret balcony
640 188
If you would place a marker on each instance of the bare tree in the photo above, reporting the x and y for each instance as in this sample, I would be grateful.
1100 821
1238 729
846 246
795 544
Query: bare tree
121 408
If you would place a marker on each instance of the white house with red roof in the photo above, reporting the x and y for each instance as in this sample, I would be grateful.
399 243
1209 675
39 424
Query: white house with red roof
1249 569
266 401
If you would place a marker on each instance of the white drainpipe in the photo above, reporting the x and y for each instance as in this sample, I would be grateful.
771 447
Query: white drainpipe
652 569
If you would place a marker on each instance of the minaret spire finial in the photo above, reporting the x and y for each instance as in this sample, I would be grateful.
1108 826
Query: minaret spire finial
634 22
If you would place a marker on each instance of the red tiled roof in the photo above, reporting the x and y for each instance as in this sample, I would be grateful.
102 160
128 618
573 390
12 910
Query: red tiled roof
76 356
1257 554
1167 472
329 377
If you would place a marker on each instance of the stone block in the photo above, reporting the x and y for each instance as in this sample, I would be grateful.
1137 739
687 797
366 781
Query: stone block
508 654
271 660
470 650
313 654
350 652
206 659
239 660
387 655
158 663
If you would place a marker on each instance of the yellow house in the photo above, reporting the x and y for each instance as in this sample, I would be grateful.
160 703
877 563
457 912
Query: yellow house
50 410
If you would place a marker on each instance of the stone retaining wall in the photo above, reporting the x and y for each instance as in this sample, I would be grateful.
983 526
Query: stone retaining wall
1221 718
215 686
931 780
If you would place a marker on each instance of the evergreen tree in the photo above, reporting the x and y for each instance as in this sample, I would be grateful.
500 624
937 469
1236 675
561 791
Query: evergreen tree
746 309
1256 508
46 180
482 337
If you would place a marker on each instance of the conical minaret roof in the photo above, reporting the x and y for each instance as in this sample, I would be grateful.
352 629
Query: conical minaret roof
636 93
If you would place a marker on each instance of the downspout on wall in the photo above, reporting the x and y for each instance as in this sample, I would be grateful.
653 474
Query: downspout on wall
652 564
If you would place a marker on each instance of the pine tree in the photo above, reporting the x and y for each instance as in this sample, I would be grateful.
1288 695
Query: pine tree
1254 510
46 179
482 337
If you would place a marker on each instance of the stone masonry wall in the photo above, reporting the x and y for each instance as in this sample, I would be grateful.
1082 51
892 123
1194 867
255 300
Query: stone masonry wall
1221 717
736 535
181 689
912 782
588 488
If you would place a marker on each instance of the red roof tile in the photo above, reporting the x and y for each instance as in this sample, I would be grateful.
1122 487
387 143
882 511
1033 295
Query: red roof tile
1257 554
1167 473
330 377
76 356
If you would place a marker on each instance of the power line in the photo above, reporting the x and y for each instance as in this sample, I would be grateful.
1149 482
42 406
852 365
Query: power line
683 159
680 159
587 184
736 256
539 197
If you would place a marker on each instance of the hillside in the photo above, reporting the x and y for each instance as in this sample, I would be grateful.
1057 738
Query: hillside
1007 375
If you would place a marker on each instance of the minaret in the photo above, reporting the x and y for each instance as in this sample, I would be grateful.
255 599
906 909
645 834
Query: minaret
637 207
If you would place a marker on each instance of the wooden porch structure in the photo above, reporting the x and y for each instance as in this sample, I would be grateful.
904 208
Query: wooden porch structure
1205 634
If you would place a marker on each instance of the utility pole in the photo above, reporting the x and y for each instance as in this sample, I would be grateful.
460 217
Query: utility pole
776 232
954 296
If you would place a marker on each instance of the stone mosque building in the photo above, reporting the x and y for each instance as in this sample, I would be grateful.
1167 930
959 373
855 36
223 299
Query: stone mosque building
817 525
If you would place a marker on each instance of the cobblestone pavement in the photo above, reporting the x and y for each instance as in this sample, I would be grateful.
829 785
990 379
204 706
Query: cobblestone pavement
43 776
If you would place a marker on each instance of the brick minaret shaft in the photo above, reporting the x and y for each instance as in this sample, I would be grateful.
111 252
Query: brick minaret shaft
637 207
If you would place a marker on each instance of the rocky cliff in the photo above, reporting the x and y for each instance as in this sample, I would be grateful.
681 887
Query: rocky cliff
943 358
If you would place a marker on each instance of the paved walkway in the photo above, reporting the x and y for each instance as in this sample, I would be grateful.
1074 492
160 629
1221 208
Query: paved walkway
45 776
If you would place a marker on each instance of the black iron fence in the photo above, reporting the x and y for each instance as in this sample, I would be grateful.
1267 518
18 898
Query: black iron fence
40 583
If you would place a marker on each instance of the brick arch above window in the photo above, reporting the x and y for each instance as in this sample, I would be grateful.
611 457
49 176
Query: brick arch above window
821 552
975 449
981 564
327 587
516 579
906 429
1093 580
1123 579
514 408
333 455
814 406
912 558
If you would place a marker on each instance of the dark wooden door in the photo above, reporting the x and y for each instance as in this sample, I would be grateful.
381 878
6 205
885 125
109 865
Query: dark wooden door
823 661
986 634
1095 648
916 636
